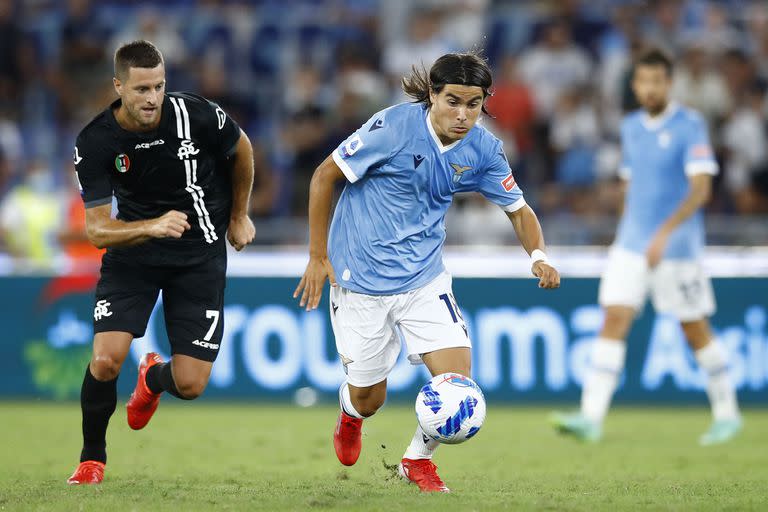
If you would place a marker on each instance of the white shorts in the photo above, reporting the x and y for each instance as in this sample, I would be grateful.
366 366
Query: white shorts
370 329
678 287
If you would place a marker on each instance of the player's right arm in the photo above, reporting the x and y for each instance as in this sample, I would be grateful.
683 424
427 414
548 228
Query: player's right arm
104 231
319 267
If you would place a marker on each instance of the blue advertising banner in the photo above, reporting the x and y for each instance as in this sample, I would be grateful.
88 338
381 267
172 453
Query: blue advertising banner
530 345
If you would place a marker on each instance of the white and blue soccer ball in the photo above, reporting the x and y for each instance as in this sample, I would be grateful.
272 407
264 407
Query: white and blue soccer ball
450 408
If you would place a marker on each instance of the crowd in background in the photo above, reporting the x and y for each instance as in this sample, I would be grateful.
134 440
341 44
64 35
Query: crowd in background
300 75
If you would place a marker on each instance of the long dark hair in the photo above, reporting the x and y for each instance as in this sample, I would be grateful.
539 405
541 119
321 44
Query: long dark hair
452 68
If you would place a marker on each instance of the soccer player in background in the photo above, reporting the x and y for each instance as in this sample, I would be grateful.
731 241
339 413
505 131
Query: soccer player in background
667 169
182 172
383 255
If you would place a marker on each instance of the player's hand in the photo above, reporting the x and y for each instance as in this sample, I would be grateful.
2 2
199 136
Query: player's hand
172 224
312 282
548 275
655 250
240 232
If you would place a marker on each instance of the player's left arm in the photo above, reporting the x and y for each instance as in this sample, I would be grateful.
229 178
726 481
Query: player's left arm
699 192
700 167
529 233
241 230
499 186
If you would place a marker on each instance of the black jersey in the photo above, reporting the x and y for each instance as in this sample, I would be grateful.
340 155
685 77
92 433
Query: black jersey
184 165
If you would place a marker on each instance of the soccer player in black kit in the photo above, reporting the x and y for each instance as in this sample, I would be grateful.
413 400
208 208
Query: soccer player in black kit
181 171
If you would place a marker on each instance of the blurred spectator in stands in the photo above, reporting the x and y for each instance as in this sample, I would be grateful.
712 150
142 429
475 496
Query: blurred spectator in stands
422 45
83 51
512 105
614 50
10 46
463 21
549 68
307 88
162 31
697 85
30 217
744 138
553 65
11 148
738 71
306 141
264 197
665 27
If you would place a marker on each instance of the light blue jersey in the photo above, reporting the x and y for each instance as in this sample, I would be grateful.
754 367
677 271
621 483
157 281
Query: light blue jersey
658 156
388 229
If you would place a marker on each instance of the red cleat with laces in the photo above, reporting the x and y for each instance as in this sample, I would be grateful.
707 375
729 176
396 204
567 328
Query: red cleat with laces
423 473
347 439
88 472
143 402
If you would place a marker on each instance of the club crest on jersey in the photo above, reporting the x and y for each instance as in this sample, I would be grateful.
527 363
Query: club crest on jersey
352 146
664 139
459 171
187 148
122 162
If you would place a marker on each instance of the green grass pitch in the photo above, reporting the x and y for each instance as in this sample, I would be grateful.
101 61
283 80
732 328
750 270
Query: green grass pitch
206 456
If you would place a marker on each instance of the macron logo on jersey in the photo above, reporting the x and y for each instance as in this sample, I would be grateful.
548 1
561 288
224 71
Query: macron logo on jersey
352 146
78 158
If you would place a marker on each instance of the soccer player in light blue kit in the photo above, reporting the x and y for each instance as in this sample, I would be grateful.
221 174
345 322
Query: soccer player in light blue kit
668 167
383 256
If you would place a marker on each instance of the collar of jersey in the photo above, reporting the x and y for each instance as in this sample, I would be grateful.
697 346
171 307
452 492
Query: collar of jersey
436 139
654 123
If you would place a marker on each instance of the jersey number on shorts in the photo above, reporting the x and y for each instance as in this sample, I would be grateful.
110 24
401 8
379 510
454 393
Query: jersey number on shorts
211 313
453 308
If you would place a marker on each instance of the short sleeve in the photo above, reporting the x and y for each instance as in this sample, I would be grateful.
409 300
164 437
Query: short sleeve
497 183
369 147
92 171
225 132
699 157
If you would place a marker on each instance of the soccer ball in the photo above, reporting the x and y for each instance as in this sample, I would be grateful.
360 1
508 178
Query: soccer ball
450 408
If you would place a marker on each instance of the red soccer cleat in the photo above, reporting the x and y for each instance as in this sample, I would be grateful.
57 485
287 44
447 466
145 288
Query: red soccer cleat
88 472
347 439
143 402
423 473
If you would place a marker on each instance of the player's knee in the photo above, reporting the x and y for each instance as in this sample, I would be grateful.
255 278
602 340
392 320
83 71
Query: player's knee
191 388
367 403
105 367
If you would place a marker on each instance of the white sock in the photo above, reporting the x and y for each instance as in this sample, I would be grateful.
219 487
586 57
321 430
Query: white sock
421 447
713 358
345 402
606 365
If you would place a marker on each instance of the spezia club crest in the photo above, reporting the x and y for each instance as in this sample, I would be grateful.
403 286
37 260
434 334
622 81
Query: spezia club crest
122 162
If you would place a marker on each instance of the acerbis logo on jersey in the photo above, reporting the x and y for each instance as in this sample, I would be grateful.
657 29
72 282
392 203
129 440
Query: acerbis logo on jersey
187 148
101 310
205 344
147 145
122 162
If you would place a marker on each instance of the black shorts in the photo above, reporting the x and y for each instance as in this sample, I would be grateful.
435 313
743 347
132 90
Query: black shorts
193 302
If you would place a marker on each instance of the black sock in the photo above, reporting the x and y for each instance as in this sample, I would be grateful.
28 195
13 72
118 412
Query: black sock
160 378
97 401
